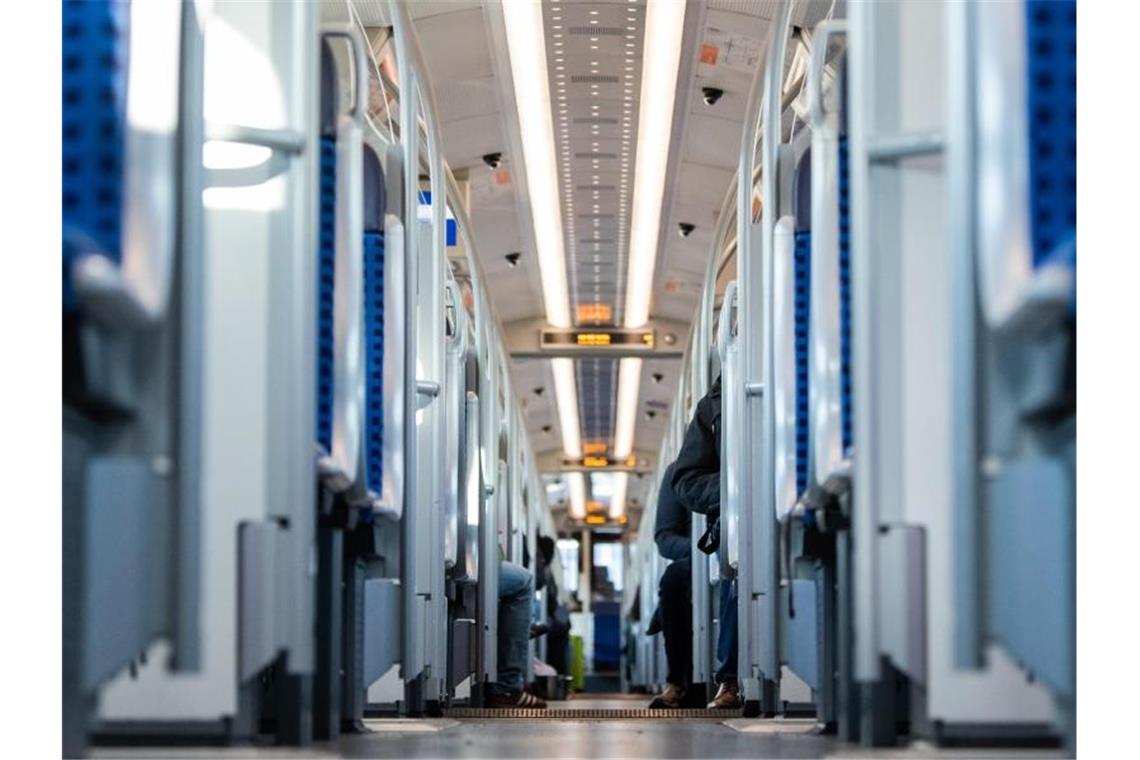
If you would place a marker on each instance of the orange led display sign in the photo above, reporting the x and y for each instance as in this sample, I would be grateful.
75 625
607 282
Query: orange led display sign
595 312
593 339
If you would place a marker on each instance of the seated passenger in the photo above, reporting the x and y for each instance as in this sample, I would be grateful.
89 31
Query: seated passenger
516 590
696 481
675 600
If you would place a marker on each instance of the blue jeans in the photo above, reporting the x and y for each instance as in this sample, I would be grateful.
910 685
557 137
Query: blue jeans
727 644
516 590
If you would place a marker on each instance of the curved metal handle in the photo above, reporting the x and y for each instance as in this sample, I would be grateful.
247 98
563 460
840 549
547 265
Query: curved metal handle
284 145
359 64
816 64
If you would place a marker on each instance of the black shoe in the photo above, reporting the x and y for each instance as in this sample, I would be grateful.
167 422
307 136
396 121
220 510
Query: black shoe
521 698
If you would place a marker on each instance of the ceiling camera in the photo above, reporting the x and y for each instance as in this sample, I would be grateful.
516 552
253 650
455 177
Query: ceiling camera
711 95
538 391
684 229
658 377
494 159
513 259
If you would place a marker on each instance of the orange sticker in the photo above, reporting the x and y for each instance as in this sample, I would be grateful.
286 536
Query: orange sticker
503 177
709 54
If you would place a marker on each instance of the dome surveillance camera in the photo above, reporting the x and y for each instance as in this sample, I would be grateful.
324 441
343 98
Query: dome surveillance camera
651 414
546 428
513 259
494 159
539 390
658 377
684 229
711 95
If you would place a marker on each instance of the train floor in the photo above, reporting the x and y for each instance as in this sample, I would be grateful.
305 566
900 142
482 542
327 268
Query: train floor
569 736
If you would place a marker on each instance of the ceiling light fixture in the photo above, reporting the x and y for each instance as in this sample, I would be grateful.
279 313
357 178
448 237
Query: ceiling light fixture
661 58
527 50
617 498
576 482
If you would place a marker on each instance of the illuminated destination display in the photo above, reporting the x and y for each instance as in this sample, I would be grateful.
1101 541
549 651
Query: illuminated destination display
599 338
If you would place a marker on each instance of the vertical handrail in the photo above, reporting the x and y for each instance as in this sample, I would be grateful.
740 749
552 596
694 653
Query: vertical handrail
960 168
864 519
756 312
409 138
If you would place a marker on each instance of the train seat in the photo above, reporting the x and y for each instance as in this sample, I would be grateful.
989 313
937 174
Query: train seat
340 281
829 361
1026 200
124 353
791 306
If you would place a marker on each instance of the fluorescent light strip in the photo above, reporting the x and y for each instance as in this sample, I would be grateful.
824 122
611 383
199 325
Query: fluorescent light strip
577 485
629 380
566 396
664 28
526 41
617 501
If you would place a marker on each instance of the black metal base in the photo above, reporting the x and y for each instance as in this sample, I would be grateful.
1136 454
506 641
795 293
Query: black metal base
1026 735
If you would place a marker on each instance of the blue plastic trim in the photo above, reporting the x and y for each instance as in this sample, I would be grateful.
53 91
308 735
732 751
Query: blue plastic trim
326 284
802 316
374 357
846 402
1051 66
94 80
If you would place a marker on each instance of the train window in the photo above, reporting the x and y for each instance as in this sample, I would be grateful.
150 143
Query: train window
568 551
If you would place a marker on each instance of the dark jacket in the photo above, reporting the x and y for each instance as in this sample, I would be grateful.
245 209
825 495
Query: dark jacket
696 472
673 525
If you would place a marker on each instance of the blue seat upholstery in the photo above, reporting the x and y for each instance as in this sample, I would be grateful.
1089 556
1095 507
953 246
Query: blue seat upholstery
94 114
1051 67
375 206
846 407
801 305
326 251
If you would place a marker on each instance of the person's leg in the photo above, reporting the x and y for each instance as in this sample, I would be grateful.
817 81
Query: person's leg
677 620
675 593
516 587
727 647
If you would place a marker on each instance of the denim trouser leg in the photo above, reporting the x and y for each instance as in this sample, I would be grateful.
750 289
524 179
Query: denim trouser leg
727 647
516 589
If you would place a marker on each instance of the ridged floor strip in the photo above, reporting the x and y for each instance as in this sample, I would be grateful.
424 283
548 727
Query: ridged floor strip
632 713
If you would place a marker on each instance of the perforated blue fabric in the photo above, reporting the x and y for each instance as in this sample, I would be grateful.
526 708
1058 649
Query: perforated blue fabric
326 283
94 112
1051 65
802 311
374 356
846 410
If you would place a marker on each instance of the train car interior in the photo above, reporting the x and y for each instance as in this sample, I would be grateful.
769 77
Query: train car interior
574 378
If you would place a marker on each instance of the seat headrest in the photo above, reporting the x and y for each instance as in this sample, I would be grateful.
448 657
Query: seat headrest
801 192
330 91
375 192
